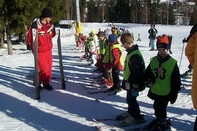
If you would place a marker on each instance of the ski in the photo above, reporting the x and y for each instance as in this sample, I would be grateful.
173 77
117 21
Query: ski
141 129
102 128
94 83
94 80
113 93
87 86
118 126
98 120
99 91
92 86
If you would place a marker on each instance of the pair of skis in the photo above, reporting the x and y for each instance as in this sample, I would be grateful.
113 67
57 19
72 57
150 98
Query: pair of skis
132 127
35 42
117 126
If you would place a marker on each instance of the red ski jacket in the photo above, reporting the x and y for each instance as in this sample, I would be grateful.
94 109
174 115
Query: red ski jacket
45 34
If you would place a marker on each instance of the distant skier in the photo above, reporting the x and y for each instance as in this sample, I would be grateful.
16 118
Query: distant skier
45 34
139 37
152 36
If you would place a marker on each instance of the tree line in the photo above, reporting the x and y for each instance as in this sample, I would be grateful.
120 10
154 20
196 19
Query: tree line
139 11
17 15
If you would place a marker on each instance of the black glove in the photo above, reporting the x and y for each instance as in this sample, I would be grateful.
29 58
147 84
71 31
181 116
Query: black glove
29 47
34 25
148 83
173 99
56 24
184 40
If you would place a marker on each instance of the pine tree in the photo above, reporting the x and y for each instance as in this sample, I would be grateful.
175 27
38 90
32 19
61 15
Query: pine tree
18 15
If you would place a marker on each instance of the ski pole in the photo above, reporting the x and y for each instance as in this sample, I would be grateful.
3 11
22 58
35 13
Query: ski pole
35 41
182 54
57 30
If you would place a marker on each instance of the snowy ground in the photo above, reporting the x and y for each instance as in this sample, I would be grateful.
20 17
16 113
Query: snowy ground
73 109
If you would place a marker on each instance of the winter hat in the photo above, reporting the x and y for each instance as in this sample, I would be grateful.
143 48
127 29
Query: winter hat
107 32
46 13
93 32
163 42
112 38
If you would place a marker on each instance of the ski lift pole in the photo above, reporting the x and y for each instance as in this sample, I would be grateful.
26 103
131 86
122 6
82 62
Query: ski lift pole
182 54
35 42
57 31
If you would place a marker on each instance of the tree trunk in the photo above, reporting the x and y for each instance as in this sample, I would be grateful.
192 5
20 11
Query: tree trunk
9 44
2 42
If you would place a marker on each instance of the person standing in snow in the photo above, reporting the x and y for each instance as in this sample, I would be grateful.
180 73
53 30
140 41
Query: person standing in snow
133 80
102 50
115 62
81 39
152 36
138 37
163 77
95 38
45 34
191 53
108 72
92 50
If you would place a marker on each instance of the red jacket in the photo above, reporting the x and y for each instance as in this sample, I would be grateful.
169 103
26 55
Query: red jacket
116 64
45 34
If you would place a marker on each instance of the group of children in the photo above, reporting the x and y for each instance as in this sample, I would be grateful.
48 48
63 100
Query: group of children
104 52
161 75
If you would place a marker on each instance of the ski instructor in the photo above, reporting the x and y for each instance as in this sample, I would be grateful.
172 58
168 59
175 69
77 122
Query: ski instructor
45 34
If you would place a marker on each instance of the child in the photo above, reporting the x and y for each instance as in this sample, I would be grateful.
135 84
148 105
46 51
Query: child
92 50
102 49
115 62
133 80
107 73
81 39
163 77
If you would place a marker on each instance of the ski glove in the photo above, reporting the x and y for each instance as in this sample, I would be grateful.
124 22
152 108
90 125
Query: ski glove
173 99
184 40
56 24
148 83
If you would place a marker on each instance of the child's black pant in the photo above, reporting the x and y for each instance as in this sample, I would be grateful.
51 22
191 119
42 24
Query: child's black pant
160 108
116 79
133 106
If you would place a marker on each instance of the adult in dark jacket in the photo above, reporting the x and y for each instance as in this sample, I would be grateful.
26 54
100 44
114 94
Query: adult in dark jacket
133 80
152 36
163 77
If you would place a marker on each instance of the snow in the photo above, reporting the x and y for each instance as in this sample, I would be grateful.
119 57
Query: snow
73 109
